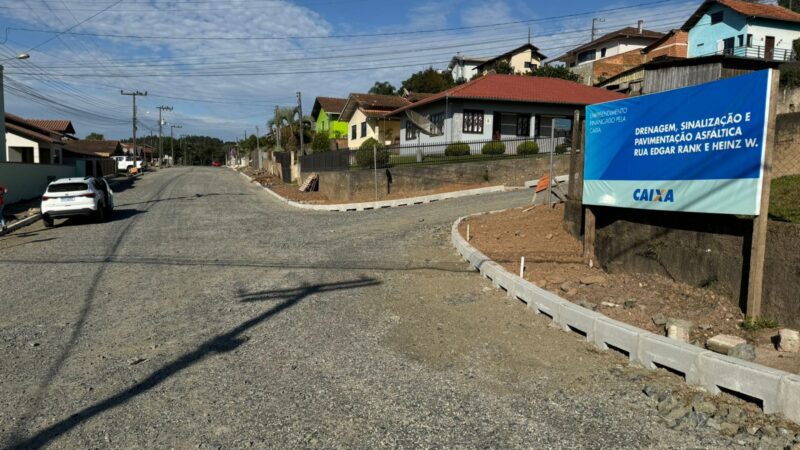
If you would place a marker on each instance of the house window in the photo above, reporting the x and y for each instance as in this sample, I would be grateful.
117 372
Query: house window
364 129
602 52
353 134
587 56
740 42
717 17
527 64
473 121
523 125
437 124
411 131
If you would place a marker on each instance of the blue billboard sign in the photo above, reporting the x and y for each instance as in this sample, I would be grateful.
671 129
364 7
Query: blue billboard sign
695 149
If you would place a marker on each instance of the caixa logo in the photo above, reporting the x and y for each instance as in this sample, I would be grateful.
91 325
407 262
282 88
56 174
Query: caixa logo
654 195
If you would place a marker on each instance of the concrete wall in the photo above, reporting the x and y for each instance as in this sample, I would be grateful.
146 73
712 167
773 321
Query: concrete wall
26 181
358 185
703 250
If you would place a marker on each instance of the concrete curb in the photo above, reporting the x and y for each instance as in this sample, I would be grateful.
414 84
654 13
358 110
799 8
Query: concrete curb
21 223
778 391
367 206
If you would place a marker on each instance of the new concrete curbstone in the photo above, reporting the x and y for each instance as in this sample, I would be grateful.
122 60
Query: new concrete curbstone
655 351
761 382
612 333
778 391
370 206
789 396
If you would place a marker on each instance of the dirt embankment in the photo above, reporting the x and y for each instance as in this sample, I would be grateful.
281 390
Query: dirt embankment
553 260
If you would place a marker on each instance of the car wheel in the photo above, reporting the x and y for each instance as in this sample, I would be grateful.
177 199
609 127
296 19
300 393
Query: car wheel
48 221
108 211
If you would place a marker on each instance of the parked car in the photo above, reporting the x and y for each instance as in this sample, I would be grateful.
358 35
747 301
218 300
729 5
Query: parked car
125 163
69 197
216 164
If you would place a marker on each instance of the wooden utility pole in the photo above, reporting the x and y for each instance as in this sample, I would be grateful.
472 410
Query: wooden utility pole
134 95
755 282
300 112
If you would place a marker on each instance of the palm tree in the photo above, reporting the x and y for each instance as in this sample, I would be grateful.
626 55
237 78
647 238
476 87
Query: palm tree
286 119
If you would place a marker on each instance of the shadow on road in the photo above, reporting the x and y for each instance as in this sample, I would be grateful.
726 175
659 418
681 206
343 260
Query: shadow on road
220 343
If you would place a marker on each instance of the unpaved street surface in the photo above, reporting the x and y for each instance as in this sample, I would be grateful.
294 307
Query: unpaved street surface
209 315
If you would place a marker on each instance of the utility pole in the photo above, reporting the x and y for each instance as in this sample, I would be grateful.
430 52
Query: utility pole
134 94
594 25
172 140
160 133
277 130
300 112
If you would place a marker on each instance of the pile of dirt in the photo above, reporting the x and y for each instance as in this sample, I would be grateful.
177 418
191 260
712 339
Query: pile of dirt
553 260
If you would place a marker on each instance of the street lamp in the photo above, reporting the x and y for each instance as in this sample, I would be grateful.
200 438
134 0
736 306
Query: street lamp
3 150
172 141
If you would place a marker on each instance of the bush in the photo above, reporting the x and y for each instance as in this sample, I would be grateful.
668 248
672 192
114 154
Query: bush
364 154
321 142
457 149
561 149
493 148
528 148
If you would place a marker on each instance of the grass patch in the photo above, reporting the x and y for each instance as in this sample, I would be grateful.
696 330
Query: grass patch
784 199
758 323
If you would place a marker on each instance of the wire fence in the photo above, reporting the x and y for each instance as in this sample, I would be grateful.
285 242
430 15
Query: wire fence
433 153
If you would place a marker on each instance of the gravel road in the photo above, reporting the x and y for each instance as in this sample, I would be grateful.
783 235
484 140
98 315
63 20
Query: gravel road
208 315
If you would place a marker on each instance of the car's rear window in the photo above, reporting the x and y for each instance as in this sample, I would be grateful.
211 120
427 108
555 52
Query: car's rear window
67 187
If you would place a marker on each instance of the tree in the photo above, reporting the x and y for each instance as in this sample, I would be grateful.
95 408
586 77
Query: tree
429 81
286 120
794 5
383 88
555 72
95 137
321 142
503 67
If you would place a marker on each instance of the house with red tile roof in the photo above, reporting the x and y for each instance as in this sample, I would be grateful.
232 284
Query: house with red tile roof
497 107
367 116
743 29
29 142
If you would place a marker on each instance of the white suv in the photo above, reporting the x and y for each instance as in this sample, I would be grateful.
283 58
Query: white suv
77 197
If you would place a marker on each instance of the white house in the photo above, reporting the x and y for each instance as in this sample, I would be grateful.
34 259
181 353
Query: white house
27 142
497 107
366 115
522 59
463 67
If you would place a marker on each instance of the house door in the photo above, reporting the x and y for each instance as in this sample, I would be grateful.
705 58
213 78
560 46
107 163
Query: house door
727 46
497 123
769 48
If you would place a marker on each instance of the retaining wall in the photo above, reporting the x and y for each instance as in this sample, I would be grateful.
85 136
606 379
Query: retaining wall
26 181
359 185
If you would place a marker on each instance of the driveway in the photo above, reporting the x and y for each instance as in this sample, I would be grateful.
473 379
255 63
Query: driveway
208 315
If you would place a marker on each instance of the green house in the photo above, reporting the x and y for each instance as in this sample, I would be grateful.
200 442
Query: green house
326 114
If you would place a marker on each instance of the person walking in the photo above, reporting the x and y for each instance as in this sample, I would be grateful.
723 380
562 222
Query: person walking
3 191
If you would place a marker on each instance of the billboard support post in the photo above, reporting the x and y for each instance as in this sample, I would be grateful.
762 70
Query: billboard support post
573 156
588 237
755 282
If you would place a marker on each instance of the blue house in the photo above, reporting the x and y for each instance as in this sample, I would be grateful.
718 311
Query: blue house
744 29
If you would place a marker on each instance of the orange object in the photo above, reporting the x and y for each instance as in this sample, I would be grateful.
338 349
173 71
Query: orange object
543 183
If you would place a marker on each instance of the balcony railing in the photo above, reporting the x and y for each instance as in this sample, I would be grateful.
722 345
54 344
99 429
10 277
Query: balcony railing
759 52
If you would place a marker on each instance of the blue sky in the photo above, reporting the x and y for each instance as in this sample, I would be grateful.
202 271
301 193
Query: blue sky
224 65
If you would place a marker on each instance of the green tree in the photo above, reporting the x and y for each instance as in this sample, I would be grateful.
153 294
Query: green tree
94 137
321 142
383 88
287 121
794 5
555 72
429 81
503 67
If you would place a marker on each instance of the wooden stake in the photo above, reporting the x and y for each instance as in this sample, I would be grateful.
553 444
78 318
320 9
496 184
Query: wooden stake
522 267
588 238
467 232
755 282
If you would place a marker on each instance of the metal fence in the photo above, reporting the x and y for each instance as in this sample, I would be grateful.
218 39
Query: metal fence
434 153
759 52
